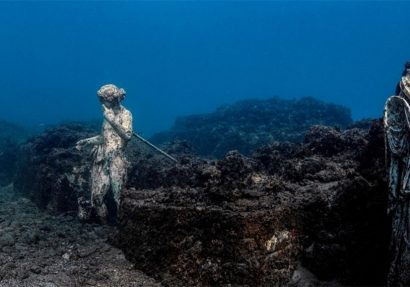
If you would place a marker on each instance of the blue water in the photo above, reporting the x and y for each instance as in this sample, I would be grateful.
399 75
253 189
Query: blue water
178 58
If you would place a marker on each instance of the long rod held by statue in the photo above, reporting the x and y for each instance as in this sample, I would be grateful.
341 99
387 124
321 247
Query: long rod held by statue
154 147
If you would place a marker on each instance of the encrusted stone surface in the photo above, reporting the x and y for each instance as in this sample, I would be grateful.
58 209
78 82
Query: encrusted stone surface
250 124
201 245
51 172
251 221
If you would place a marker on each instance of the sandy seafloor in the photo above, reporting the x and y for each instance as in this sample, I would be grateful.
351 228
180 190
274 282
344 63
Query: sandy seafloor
39 249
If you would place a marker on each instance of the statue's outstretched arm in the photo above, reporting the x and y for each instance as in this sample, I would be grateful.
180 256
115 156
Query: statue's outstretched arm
96 140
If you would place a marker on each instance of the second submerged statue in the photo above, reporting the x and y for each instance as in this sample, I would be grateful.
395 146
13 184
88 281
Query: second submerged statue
397 132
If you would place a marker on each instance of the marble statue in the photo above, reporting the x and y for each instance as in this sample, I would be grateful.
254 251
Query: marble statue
397 137
109 168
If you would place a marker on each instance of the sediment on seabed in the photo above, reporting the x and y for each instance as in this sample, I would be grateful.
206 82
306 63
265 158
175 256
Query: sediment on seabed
39 249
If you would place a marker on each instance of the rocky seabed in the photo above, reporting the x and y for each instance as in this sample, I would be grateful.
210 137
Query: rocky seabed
39 249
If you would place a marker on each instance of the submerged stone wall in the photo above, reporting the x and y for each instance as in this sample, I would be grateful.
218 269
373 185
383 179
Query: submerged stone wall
321 204
202 245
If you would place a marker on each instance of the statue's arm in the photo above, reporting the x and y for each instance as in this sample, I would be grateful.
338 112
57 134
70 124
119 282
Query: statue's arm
123 128
397 126
96 140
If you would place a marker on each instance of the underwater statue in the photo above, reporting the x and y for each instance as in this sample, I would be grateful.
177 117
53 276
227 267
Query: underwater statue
397 133
109 167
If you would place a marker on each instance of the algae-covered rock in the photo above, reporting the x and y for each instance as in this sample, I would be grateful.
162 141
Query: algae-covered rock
250 124
51 171
252 220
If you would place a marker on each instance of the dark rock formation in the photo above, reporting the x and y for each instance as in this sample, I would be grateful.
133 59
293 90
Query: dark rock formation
51 171
251 220
250 124
239 220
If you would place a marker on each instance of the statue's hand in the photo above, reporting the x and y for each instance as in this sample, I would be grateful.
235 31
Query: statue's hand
108 113
79 145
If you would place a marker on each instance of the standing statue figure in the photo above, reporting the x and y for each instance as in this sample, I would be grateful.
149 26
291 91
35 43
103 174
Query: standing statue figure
397 136
109 167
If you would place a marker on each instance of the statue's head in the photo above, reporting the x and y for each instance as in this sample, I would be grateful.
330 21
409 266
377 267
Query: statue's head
404 82
111 94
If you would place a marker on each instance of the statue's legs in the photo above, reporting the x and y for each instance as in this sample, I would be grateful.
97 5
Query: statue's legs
84 209
100 185
118 174
399 273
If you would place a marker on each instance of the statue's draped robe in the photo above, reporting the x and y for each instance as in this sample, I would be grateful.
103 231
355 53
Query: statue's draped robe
397 132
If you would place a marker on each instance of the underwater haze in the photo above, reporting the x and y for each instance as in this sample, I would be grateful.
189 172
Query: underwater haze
180 58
